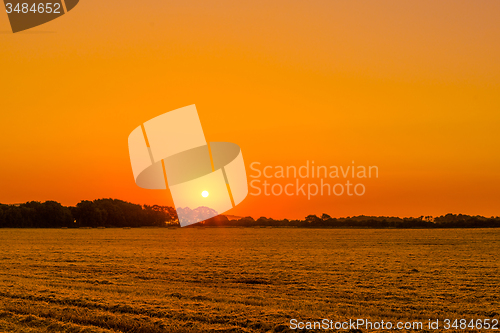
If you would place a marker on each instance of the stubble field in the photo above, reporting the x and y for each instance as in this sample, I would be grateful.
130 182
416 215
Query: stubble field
241 280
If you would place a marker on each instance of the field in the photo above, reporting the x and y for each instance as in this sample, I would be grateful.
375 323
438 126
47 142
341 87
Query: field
241 280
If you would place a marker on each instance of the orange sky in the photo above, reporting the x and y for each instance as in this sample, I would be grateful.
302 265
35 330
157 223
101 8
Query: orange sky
412 87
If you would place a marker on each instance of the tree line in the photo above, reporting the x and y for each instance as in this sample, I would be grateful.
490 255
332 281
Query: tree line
326 221
98 213
114 213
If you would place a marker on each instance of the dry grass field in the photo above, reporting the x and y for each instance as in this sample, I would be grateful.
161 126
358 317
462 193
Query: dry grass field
241 280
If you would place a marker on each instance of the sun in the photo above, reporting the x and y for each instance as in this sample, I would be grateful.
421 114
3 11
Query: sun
204 194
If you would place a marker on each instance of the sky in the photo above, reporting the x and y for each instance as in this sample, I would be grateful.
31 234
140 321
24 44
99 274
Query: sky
410 87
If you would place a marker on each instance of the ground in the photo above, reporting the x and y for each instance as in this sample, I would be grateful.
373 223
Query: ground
242 279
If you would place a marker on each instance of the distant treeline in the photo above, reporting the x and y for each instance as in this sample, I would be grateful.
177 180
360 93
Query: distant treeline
325 221
97 213
113 213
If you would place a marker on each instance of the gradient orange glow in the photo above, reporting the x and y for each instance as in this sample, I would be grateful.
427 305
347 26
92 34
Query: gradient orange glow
411 87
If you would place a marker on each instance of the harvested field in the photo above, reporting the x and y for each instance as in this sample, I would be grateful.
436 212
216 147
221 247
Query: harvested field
242 280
